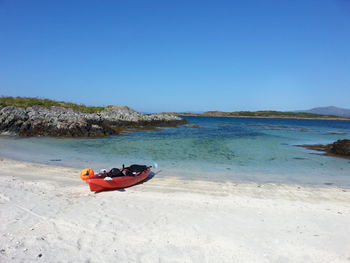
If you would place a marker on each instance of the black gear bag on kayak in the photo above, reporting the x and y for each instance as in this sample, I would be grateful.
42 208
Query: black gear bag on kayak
134 169
115 172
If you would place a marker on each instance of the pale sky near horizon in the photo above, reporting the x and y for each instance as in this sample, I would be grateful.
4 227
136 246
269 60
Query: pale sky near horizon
180 55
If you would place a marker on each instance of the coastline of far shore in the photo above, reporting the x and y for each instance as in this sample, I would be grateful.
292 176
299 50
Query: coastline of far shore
267 117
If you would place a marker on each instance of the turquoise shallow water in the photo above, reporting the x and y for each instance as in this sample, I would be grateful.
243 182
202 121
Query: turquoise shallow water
237 149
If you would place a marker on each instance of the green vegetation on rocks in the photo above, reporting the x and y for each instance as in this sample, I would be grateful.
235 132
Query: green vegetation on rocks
24 102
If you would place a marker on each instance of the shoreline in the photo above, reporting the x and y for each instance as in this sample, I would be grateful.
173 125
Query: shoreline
48 212
167 177
196 175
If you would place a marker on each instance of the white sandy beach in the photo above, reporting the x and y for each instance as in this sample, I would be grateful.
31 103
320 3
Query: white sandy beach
47 214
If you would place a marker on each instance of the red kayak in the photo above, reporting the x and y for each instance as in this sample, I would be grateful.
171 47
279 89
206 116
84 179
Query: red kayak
98 184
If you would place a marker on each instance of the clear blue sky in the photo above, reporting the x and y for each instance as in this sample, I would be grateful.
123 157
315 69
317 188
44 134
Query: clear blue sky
174 55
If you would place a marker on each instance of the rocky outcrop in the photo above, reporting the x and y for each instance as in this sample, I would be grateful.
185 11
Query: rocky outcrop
339 148
58 121
130 118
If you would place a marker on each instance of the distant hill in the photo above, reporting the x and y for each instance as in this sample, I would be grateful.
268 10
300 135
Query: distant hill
331 110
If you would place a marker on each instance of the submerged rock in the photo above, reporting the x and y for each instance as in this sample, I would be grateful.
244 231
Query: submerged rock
58 121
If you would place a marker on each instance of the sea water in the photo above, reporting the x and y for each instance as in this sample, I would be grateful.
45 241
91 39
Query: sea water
221 149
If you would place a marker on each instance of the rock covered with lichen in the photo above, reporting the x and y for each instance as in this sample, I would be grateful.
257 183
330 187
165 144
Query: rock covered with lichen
59 121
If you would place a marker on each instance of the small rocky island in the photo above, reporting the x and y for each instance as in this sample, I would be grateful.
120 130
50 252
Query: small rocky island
58 121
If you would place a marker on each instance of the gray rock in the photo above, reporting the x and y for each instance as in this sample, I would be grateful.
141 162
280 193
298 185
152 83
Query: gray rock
58 121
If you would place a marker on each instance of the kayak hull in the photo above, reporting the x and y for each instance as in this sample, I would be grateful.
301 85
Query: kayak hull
100 184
